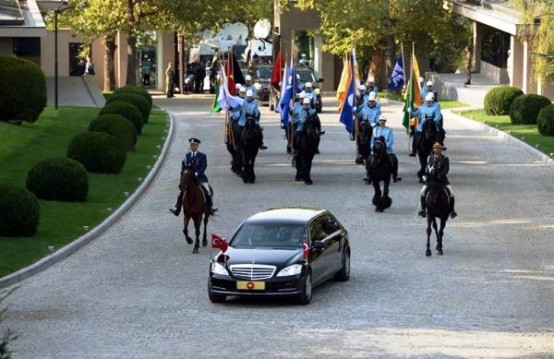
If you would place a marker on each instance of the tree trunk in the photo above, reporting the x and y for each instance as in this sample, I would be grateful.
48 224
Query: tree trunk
131 60
109 68
377 67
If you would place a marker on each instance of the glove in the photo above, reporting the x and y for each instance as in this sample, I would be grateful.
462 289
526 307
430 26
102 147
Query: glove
196 174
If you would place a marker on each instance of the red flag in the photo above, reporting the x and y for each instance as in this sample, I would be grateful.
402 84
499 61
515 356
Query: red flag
220 243
230 78
277 70
305 248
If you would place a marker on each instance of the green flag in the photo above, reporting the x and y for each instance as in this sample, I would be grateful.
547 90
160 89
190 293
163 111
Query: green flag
215 105
408 102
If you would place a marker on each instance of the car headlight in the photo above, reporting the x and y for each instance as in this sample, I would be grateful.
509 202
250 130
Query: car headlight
257 86
217 268
317 91
290 270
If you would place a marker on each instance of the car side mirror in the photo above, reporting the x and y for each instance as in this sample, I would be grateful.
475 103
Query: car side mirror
319 245
320 80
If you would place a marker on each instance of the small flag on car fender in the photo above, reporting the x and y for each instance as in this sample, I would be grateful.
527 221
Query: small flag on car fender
219 243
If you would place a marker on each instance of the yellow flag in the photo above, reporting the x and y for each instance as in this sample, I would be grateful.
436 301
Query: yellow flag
343 84
415 78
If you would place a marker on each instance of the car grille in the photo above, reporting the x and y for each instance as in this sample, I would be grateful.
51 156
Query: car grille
252 271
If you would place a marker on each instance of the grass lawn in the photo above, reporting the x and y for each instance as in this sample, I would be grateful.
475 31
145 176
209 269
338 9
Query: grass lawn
527 133
62 222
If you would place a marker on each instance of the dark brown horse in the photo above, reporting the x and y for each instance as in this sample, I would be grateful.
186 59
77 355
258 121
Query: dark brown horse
426 139
437 203
379 168
307 143
194 207
363 139
250 141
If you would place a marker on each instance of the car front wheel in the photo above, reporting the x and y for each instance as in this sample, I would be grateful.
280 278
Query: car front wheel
306 296
214 297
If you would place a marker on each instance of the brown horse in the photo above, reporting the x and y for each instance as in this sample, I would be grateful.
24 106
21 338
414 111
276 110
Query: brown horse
194 207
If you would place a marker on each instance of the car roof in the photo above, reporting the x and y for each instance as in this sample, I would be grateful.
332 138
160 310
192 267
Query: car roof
292 214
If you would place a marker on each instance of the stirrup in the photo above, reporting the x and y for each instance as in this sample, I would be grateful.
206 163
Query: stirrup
422 213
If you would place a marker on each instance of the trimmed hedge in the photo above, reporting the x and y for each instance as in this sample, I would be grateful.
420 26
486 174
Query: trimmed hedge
136 90
134 99
126 110
60 179
545 121
118 126
98 151
22 90
19 212
499 99
526 108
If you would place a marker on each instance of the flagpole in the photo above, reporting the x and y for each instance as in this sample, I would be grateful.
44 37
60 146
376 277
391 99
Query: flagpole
404 69
293 83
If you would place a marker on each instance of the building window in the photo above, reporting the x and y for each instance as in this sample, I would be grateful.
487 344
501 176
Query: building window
495 47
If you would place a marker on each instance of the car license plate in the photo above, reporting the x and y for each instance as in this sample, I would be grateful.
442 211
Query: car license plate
250 285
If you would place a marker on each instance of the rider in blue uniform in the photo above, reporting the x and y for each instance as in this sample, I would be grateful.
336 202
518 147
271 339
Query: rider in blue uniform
437 168
370 84
250 108
303 113
249 86
310 94
372 110
198 161
427 112
388 135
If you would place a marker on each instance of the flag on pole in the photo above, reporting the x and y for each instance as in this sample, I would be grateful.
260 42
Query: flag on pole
276 73
234 73
413 91
356 72
288 96
283 86
343 84
398 77
215 105
347 111
225 100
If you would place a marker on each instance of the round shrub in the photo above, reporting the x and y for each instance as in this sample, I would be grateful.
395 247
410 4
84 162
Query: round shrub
545 121
22 90
134 99
98 151
60 179
118 126
499 99
19 212
137 90
126 110
526 108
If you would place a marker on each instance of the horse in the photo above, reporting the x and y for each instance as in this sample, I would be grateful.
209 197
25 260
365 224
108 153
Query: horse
249 143
306 147
363 139
232 147
425 145
194 207
379 169
438 206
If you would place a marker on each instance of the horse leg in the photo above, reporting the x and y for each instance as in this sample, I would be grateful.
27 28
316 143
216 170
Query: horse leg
205 236
377 200
307 170
253 174
298 163
186 229
197 233
439 236
244 173
422 164
429 220
387 201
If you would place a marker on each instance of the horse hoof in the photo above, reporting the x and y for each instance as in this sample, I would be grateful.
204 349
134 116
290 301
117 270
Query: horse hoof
439 252
204 242
244 180
297 179
428 253
195 250
308 182
189 240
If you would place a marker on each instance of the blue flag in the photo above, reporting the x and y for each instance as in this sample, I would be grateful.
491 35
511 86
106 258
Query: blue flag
347 112
398 77
288 96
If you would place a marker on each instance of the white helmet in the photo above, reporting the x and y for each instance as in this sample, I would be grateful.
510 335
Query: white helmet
429 83
429 97
302 94
382 118
372 96
247 78
306 101
249 93
242 89
362 88
308 85
238 86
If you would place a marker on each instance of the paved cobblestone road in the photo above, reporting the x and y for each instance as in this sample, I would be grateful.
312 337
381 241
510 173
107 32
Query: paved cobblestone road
139 292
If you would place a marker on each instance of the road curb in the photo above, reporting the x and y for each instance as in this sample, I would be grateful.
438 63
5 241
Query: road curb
82 241
508 138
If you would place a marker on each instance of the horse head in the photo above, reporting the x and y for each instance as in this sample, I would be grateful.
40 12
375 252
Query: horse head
380 146
250 121
187 177
429 129
310 126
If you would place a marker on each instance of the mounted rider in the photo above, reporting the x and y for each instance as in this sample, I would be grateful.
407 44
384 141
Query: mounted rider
427 112
309 93
249 86
437 168
303 114
250 108
370 84
361 101
371 110
198 162
386 132
428 88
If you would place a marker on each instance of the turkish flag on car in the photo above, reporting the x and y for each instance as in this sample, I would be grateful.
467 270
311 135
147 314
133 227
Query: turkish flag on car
277 70
219 243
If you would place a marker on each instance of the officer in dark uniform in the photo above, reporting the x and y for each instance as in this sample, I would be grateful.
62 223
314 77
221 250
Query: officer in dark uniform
437 168
198 161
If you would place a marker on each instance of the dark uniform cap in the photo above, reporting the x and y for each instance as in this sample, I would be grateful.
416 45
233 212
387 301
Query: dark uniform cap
194 140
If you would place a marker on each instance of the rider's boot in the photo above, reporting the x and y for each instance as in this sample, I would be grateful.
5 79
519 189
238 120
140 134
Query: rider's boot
453 213
209 204
177 210
422 213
